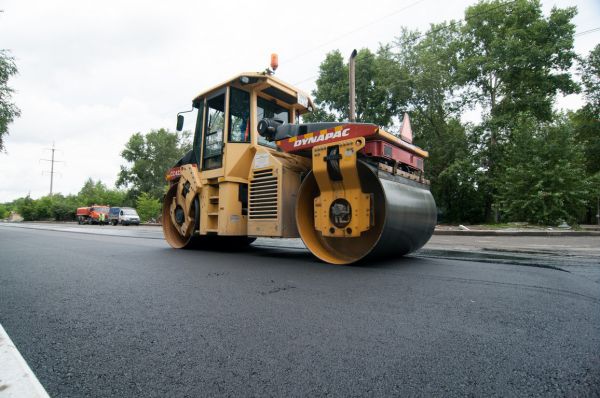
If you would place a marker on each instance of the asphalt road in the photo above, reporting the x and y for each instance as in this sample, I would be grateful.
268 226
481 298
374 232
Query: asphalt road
102 315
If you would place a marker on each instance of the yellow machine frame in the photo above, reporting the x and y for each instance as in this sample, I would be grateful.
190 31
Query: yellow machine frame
342 208
265 172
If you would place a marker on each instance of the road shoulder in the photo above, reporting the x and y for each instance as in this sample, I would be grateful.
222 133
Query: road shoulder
16 377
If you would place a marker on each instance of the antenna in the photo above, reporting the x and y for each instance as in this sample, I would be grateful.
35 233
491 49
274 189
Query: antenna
52 161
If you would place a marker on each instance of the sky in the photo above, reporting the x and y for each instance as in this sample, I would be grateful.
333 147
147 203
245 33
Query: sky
93 73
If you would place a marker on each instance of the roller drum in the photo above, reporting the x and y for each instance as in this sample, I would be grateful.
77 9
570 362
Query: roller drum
192 240
404 219
171 232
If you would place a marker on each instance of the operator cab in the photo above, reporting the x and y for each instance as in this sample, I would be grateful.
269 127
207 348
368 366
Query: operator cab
229 114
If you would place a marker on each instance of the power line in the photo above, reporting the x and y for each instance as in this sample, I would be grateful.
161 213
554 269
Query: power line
487 11
585 32
305 80
452 23
300 55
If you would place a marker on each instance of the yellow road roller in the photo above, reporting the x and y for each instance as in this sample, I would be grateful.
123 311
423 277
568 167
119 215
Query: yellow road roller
350 190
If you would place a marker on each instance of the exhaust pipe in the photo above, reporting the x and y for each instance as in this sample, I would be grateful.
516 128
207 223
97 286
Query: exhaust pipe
351 79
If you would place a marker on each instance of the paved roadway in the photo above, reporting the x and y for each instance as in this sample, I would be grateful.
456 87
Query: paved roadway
96 314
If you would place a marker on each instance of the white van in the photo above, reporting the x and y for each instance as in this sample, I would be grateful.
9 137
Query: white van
123 216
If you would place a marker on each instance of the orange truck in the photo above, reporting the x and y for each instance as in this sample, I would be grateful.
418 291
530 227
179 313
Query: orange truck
96 214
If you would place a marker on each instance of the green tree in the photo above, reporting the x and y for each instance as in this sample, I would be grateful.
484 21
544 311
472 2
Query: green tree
27 209
457 194
63 208
543 182
586 122
91 192
430 61
587 119
148 158
8 110
516 60
513 60
435 110
148 207
590 75
377 97
507 58
43 208
3 211
98 193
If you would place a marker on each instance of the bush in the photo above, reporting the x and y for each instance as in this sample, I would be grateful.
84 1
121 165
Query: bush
544 182
148 207
26 208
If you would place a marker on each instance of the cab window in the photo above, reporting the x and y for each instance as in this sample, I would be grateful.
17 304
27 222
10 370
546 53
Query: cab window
267 109
213 132
239 115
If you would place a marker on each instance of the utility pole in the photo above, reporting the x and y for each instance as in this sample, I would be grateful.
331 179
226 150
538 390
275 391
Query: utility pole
52 161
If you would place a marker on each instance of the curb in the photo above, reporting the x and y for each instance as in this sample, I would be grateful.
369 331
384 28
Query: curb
16 377
517 233
472 232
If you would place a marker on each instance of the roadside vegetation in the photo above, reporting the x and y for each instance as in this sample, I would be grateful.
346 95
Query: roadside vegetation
8 110
482 97
141 182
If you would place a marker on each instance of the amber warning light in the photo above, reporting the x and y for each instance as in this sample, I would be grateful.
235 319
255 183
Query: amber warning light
274 62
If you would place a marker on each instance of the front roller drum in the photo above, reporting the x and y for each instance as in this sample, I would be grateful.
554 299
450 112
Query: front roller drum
174 216
404 219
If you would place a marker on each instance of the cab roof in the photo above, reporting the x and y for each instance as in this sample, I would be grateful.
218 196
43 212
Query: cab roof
270 86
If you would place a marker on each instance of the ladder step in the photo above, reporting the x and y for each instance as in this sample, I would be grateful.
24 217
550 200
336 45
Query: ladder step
216 213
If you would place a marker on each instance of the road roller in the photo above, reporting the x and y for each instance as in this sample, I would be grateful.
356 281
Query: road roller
351 191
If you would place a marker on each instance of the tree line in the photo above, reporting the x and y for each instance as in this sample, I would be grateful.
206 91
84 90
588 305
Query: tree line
140 184
518 159
482 96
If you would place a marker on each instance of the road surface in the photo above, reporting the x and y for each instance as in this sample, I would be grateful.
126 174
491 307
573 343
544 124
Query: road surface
96 314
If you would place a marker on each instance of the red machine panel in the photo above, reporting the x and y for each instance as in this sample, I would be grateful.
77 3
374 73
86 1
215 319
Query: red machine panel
385 150
338 133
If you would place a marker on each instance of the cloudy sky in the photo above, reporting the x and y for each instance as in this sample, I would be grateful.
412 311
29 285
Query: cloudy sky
93 73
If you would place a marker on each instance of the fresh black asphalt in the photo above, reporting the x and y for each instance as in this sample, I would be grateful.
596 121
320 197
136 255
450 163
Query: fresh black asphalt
101 315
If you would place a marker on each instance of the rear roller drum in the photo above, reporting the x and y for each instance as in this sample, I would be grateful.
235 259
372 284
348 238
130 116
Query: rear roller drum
404 217
176 233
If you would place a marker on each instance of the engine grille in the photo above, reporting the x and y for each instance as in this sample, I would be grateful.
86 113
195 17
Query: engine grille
263 201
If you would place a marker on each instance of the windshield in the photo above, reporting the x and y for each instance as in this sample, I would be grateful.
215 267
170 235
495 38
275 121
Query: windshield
239 115
100 209
267 109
